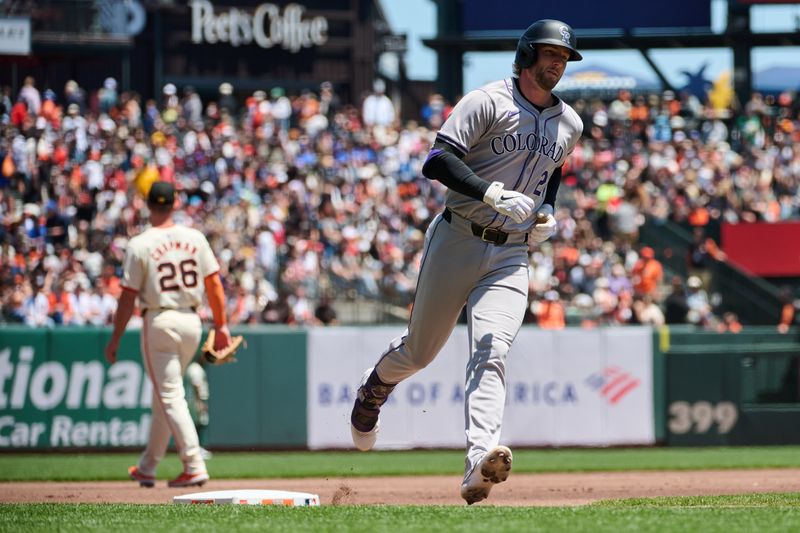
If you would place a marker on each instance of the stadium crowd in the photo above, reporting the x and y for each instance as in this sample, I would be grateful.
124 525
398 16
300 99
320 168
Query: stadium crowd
308 201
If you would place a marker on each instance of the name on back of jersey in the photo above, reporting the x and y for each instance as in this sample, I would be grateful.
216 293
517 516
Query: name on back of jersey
171 246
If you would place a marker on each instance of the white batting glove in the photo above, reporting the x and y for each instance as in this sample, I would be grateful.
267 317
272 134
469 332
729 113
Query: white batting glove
545 226
509 203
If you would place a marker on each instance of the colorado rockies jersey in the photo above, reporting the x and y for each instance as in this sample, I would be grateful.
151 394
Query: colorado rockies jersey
168 266
505 138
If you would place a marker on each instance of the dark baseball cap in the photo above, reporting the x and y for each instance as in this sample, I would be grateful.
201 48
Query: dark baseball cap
161 193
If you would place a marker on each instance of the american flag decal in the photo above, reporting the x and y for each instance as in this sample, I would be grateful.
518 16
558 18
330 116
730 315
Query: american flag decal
612 383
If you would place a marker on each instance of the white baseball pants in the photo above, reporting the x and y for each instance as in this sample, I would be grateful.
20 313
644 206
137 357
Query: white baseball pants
169 342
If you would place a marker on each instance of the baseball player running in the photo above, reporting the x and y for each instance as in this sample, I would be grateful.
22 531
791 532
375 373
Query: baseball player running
500 154
167 267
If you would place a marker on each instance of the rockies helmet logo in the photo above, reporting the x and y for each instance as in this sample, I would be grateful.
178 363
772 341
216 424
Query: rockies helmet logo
564 34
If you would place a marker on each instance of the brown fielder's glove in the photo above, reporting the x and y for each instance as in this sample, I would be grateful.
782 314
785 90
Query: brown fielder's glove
225 355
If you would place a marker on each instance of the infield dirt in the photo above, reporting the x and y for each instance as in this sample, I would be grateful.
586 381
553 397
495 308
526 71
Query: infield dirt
519 490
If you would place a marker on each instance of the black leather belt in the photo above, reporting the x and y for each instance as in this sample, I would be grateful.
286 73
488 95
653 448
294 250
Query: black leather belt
492 235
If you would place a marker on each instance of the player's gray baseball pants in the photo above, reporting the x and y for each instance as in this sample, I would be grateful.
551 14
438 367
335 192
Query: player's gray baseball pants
458 268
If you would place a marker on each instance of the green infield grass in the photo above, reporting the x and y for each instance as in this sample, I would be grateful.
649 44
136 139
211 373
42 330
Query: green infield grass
724 514
255 465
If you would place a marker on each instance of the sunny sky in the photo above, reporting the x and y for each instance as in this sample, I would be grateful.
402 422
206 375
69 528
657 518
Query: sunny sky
417 18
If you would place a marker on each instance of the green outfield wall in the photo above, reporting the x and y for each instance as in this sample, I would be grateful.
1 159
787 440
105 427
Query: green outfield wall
260 401
56 390
729 389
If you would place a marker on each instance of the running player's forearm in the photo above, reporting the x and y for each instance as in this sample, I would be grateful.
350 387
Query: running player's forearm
444 165
125 307
216 299
552 187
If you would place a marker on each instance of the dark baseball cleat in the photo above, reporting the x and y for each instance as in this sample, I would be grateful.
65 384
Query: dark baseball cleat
364 419
143 479
493 468
189 480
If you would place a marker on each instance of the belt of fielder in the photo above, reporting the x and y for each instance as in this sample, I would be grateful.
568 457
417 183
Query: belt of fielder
492 235
159 309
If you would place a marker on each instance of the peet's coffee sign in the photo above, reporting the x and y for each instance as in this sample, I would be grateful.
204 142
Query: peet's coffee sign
267 26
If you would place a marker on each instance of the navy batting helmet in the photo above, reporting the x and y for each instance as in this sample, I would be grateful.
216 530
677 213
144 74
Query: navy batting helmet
546 31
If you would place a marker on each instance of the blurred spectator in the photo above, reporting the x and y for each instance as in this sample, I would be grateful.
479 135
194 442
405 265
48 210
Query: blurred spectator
586 311
36 308
106 306
107 95
620 109
227 102
730 322
5 104
73 94
788 310
619 281
151 117
647 312
76 134
329 102
59 306
606 302
8 168
700 256
325 313
56 225
378 109
281 108
550 312
608 197
676 308
647 273
30 95
192 108
302 309
278 311
85 308
242 306
700 312
436 111
625 217
13 305
169 98
19 112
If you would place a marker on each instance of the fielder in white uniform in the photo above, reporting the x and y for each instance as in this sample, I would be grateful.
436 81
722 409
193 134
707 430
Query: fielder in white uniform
168 267
500 154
